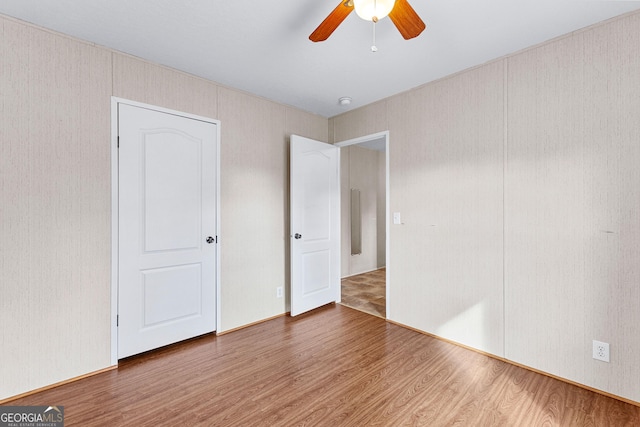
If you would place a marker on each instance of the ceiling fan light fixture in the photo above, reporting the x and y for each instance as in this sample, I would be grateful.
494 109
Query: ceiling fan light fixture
373 10
400 12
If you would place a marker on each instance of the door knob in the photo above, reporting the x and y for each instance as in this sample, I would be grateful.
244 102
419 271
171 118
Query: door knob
298 236
210 240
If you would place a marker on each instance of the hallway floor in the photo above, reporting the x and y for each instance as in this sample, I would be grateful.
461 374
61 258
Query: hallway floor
366 292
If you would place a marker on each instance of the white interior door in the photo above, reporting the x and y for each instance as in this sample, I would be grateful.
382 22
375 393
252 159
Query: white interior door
167 228
315 224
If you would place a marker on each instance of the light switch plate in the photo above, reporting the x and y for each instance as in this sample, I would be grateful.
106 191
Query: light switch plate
396 218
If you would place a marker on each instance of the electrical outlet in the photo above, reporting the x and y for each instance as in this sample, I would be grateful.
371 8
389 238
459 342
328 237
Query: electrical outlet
279 292
601 351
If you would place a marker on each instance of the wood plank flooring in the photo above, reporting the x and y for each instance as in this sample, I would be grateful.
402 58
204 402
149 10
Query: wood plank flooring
366 292
334 366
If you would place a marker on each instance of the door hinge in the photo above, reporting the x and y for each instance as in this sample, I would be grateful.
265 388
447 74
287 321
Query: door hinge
118 141
117 320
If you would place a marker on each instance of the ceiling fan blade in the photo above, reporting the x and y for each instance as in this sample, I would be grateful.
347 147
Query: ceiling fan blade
332 21
406 20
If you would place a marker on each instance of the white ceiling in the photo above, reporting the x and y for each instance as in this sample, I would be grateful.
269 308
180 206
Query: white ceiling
262 46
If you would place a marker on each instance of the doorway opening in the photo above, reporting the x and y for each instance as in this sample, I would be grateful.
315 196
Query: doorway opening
365 223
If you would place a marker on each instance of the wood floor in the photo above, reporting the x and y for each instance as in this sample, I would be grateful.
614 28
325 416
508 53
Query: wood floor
366 292
334 367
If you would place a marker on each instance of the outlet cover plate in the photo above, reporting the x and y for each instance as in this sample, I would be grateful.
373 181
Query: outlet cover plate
601 351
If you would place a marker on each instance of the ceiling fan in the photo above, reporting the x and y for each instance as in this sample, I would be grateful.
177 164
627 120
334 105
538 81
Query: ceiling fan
400 12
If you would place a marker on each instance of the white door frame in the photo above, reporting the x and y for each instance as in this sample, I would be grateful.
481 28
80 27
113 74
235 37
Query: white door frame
360 140
115 209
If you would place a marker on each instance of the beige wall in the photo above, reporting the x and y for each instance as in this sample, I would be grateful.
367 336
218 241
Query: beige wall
360 122
519 187
255 210
572 203
54 208
446 154
55 190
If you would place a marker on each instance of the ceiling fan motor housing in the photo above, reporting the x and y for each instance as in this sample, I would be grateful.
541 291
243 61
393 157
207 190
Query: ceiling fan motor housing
373 10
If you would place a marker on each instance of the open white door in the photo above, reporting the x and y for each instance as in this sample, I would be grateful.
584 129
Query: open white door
167 228
315 224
